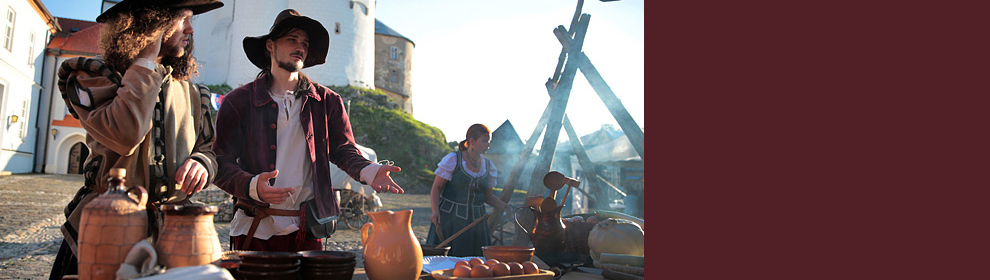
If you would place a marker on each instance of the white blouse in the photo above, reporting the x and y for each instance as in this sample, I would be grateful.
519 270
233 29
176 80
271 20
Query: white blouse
445 169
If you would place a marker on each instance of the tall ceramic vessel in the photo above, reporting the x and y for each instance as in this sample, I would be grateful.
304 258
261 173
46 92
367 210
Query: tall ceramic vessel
188 237
391 251
109 227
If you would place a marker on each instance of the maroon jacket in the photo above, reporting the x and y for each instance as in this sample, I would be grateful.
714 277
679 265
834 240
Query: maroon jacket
245 140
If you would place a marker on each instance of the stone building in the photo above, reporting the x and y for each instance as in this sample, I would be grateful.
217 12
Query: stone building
393 65
219 36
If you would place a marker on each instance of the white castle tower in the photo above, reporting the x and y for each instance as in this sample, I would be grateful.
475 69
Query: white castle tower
351 24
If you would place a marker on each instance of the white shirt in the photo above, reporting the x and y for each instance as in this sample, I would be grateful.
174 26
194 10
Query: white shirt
445 169
294 171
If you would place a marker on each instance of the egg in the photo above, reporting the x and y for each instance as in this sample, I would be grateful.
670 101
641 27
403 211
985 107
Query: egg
481 271
491 262
515 268
529 267
475 261
462 271
462 262
592 219
501 269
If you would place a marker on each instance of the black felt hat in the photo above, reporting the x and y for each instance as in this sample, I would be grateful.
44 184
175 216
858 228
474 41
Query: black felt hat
197 6
319 39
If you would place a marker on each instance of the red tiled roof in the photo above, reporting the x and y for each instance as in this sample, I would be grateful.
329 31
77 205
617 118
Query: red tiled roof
68 24
83 41
69 120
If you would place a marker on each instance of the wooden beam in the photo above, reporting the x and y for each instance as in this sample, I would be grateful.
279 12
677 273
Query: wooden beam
625 120
558 105
589 171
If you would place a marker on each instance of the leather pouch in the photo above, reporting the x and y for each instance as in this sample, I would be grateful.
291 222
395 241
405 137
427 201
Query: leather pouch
317 228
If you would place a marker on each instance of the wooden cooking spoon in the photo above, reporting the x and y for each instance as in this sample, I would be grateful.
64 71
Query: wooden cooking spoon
553 181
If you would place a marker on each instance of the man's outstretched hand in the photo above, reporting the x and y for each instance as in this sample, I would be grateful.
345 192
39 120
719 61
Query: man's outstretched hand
383 182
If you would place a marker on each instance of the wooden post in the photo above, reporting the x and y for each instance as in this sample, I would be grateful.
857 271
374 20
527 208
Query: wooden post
558 104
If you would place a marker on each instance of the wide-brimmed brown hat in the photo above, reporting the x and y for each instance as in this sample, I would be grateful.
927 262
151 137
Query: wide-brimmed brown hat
319 39
197 6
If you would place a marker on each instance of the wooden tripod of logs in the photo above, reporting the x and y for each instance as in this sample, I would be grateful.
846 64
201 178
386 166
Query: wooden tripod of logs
559 88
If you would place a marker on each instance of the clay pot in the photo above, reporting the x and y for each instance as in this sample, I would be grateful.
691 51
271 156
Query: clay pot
110 225
188 237
391 250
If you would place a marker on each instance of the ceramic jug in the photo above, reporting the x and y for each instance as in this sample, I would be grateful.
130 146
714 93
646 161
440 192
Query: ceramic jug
188 237
547 233
109 227
391 250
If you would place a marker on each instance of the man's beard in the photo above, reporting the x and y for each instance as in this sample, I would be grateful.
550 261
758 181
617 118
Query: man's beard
169 50
289 66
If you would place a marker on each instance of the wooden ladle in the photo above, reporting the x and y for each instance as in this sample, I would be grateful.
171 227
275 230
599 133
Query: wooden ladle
555 180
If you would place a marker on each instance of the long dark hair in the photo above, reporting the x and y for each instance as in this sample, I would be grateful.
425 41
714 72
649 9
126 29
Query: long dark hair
475 131
125 35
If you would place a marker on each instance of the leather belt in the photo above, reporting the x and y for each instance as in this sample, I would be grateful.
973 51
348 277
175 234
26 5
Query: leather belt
260 212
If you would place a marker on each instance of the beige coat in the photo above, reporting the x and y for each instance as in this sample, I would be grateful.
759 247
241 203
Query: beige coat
118 122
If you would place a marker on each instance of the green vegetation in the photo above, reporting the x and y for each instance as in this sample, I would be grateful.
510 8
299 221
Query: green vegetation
221 89
395 135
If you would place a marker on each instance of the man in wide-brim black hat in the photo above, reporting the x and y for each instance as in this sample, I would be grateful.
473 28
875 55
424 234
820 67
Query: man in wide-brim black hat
140 113
284 125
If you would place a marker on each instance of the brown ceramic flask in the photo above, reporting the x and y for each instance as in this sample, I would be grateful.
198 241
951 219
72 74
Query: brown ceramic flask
110 225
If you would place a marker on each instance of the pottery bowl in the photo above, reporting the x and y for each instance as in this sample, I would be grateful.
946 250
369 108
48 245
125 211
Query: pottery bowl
431 250
519 254
277 275
336 275
329 265
268 257
268 267
327 257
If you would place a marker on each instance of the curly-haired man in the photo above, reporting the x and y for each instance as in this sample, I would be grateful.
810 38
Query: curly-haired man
139 111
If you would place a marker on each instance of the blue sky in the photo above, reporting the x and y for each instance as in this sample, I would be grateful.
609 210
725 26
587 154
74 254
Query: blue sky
487 61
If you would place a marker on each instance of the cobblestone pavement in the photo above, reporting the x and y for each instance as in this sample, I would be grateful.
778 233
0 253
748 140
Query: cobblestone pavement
31 212
30 217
